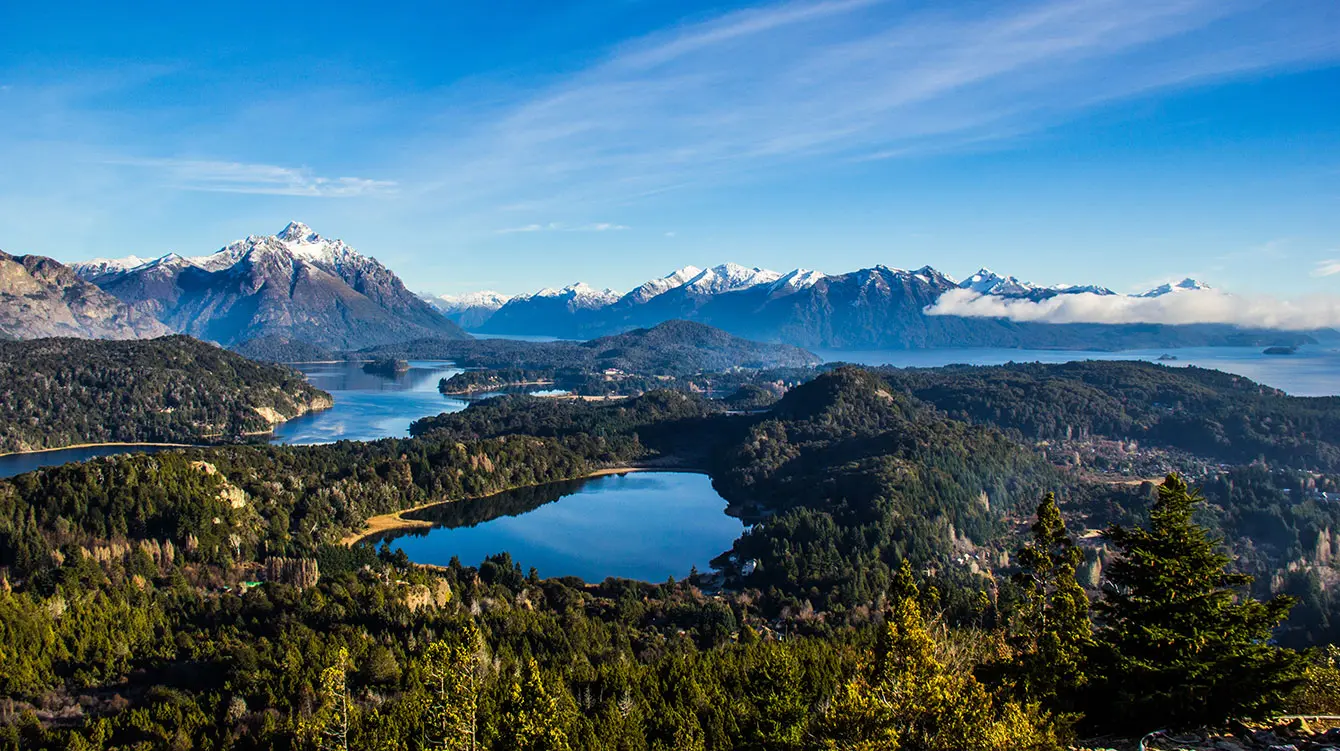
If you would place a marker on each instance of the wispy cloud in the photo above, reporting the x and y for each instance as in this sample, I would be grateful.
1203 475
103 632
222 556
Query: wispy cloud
560 227
261 179
1198 306
859 79
1329 267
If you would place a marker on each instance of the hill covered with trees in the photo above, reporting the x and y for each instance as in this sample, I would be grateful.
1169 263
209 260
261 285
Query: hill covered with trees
1204 412
897 598
175 389
672 348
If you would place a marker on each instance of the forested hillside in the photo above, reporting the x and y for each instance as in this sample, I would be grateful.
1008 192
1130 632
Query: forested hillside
1204 412
197 598
60 392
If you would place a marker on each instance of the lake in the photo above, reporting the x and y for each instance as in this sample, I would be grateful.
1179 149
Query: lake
368 407
641 525
17 464
1312 371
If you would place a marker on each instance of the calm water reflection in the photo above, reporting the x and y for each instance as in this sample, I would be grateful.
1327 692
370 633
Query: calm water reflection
368 407
643 525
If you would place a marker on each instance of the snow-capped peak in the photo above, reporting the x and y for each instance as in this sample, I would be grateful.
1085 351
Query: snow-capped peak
653 287
796 280
729 277
96 267
484 299
988 282
297 232
296 240
580 295
1186 285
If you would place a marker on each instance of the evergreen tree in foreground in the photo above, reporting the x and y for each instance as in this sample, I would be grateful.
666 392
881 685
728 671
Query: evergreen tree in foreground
1182 644
911 699
1050 632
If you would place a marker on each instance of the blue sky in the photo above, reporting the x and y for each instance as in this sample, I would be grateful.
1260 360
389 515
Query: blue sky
515 145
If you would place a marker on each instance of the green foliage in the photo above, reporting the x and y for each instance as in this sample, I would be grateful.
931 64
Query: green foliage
59 392
1050 631
1318 693
108 640
1180 643
453 675
912 701
853 478
1204 412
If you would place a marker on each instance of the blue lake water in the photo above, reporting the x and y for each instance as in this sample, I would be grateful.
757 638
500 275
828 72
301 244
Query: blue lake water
1312 371
642 525
368 407
17 464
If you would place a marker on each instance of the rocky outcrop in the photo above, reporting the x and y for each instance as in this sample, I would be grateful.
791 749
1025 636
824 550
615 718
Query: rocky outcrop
40 297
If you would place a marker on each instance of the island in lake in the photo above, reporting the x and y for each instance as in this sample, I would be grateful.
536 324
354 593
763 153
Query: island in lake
386 366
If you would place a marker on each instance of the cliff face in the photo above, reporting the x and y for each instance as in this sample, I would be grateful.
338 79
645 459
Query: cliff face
40 297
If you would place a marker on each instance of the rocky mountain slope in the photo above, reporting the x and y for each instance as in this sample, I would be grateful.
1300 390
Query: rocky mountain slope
296 284
40 297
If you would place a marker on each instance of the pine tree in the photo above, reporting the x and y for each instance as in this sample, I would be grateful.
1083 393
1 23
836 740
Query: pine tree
1050 631
1182 644
332 721
532 718
453 678
911 700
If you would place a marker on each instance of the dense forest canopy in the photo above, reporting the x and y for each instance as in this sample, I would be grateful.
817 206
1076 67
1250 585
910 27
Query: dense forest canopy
200 599
175 389
1205 412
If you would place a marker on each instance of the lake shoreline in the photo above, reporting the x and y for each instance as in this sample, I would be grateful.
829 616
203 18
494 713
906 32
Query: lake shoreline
112 444
394 521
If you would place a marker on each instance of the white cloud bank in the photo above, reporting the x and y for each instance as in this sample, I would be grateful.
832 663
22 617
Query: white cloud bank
1197 306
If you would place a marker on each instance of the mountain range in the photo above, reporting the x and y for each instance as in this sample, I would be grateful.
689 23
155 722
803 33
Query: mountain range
878 307
294 285
298 292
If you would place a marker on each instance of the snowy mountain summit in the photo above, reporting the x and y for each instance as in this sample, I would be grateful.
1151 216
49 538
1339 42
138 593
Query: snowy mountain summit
294 284
1186 285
